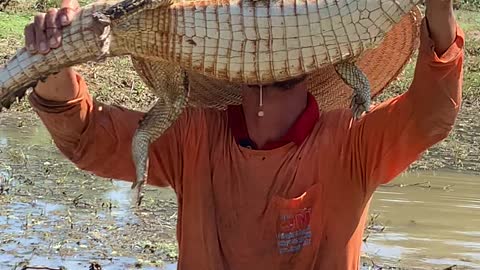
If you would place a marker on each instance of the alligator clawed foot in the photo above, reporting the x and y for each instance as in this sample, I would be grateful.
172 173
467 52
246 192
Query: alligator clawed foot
359 106
358 82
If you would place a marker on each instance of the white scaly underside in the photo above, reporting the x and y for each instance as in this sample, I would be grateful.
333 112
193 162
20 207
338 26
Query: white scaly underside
225 40
242 43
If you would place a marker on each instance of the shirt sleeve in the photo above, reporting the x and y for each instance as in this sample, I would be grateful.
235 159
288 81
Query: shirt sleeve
396 132
97 138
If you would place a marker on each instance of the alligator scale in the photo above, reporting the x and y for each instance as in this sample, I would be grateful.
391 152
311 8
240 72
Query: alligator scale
174 44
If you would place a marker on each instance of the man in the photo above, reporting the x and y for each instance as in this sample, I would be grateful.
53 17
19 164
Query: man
289 190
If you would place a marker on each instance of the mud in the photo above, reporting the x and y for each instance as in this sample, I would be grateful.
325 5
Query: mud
52 214
460 151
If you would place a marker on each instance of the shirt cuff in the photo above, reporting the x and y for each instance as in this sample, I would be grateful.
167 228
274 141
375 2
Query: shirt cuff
427 46
66 121
41 105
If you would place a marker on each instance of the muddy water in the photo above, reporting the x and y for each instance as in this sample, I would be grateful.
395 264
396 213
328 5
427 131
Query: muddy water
52 214
427 219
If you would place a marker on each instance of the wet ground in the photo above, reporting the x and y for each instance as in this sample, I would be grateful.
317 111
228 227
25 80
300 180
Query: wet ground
461 149
427 219
54 215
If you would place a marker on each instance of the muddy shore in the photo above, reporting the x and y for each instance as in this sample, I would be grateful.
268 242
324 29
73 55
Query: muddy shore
460 151
52 214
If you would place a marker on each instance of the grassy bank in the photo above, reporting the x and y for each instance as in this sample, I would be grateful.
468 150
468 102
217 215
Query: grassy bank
115 82
469 21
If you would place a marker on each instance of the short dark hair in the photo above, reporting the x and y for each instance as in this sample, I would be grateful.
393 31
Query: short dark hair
284 85
288 84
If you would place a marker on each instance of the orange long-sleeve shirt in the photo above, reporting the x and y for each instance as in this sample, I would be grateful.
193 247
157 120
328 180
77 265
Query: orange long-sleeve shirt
297 206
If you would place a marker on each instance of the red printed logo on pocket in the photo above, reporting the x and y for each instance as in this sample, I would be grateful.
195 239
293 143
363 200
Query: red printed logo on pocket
294 230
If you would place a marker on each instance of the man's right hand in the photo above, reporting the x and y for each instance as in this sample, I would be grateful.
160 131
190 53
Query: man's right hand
44 34
45 31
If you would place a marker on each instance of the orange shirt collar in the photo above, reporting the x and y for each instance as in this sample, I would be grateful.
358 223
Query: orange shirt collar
297 133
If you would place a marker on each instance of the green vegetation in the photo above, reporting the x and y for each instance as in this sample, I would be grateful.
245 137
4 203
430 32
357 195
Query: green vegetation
468 4
469 21
12 25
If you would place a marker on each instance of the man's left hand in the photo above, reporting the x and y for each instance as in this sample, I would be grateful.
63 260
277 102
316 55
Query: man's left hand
441 23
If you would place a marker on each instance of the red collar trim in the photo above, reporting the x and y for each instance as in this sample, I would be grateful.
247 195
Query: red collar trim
297 133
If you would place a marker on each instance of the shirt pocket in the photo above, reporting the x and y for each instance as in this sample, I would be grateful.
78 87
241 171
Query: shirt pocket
299 223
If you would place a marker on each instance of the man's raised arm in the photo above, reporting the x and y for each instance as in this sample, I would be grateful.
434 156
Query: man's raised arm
94 136
98 137
394 134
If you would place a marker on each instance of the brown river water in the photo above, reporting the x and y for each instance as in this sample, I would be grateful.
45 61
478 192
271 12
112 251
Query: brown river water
53 215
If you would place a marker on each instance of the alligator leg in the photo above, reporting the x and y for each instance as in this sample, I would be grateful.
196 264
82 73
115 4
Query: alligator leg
171 88
356 79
